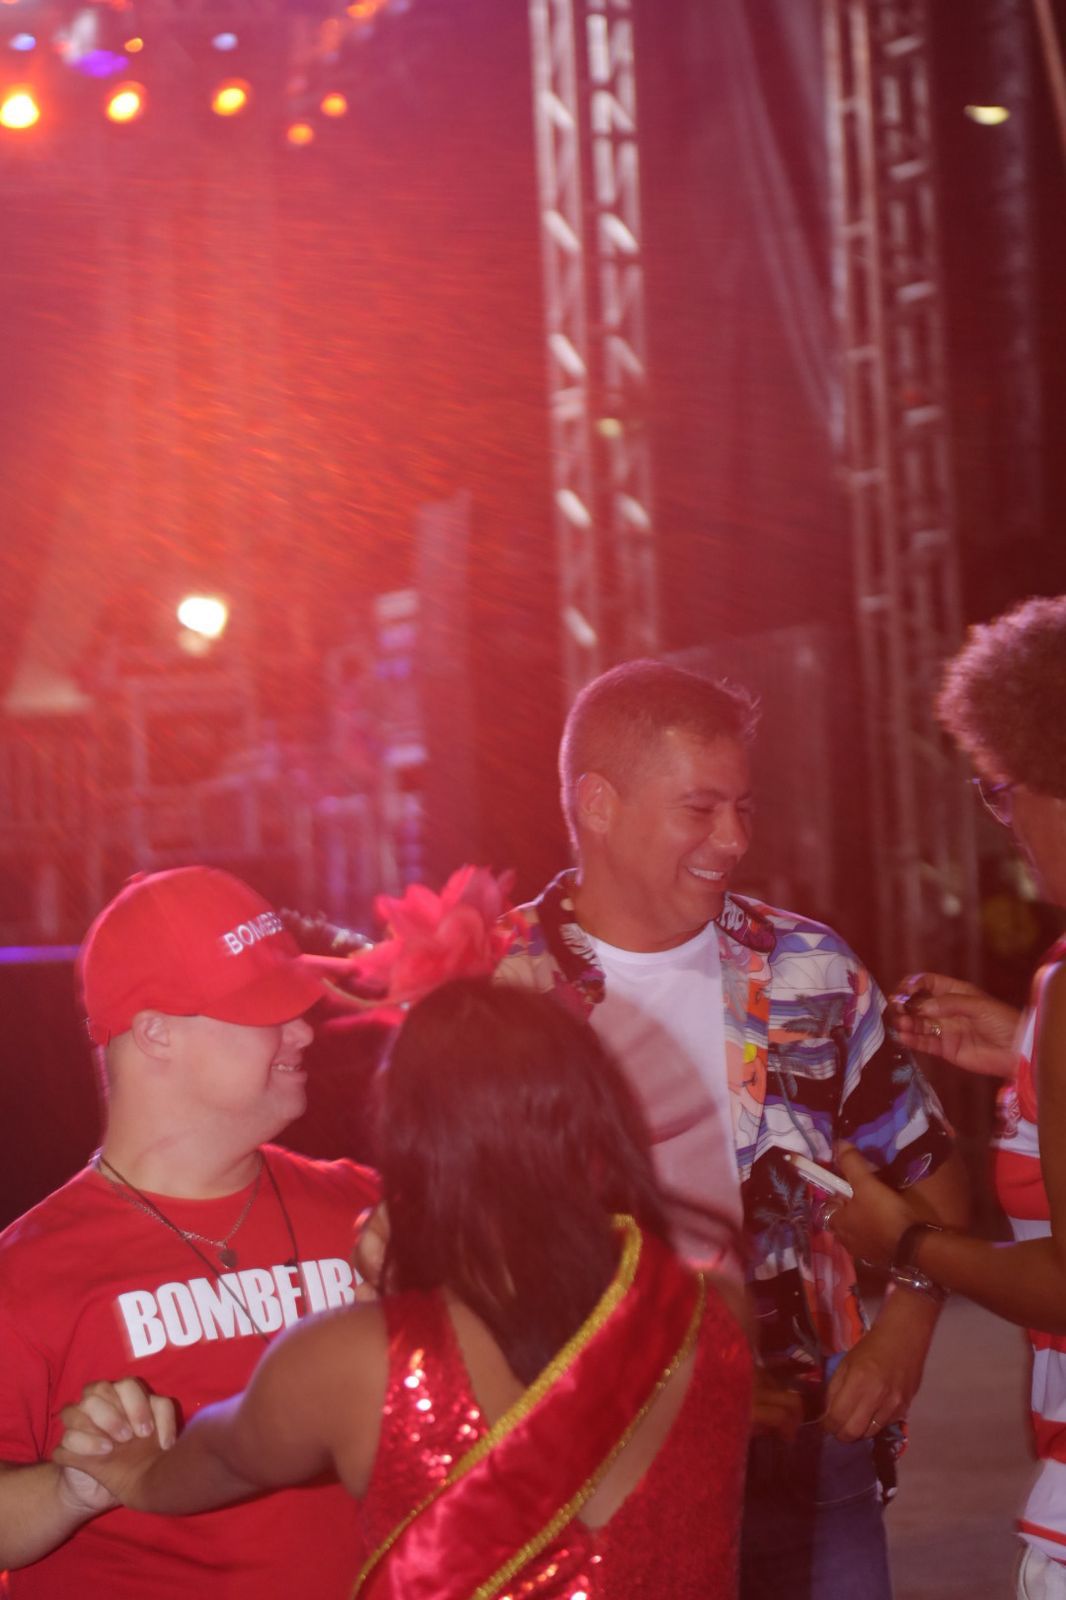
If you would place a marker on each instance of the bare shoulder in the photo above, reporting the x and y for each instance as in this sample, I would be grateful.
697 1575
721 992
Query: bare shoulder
1049 1064
351 1333
1049 985
348 1346
1049 998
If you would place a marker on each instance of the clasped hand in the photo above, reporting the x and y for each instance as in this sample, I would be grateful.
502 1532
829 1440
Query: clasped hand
115 1433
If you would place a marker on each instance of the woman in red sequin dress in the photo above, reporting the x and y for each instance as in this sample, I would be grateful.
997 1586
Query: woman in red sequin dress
545 1401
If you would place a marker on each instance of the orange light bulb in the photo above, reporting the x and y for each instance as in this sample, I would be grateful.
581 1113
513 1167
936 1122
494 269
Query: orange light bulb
125 103
230 98
19 109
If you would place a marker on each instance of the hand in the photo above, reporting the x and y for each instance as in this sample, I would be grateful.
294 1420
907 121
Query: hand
774 1409
81 1493
112 1435
874 1384
368 1256
956 1021
871 1224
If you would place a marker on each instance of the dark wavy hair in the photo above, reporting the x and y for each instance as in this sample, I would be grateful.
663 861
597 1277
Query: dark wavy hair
1003 697
506 1140
615 723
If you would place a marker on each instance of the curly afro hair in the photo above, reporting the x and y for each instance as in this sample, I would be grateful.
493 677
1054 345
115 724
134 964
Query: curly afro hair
1003 698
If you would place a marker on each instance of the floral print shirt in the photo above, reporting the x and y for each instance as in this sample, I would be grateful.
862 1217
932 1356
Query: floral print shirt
808 1062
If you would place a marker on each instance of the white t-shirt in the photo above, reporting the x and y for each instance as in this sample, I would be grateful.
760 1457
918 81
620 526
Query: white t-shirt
662 1019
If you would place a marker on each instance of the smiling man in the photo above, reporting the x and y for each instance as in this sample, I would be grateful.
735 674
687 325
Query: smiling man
747 1032
184 1246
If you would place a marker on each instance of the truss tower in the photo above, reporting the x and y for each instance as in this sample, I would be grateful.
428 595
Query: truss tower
897 472
585 117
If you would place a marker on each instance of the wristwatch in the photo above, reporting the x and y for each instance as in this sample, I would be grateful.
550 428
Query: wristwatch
903 1269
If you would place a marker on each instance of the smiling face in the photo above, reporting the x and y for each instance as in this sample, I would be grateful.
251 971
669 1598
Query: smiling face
249 1077
658 853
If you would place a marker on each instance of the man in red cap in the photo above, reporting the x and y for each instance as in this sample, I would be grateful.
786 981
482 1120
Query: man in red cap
179 1252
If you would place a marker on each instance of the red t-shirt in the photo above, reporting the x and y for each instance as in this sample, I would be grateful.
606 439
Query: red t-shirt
91 1287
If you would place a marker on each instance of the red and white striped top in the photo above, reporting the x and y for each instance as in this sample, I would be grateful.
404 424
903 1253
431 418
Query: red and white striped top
1020 1187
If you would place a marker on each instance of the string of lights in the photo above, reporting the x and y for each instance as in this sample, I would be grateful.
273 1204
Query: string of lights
115 60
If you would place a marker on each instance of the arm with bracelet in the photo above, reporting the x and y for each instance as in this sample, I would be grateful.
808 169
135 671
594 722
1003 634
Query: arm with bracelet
888 1111
1023 1282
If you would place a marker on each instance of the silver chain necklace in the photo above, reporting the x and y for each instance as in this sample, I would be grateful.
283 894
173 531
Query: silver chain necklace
129 1192
226 1256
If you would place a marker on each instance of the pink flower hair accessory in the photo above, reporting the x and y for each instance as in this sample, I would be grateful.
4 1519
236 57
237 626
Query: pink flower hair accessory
430 938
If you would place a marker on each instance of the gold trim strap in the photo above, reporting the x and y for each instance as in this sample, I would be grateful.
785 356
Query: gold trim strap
567 1513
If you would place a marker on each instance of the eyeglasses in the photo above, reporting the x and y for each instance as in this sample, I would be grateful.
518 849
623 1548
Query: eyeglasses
996 797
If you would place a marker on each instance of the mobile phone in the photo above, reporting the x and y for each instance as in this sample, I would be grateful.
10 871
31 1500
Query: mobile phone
819 1177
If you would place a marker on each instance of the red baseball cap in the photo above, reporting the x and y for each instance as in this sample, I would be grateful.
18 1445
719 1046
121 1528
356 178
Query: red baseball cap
191 942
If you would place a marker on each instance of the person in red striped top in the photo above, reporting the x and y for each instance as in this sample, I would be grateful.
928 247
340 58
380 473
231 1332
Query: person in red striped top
1004 701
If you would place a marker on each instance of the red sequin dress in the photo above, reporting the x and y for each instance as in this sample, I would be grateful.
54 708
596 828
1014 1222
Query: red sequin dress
673 1538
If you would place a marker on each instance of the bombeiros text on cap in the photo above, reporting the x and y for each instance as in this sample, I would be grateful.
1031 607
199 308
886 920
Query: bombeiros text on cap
248 933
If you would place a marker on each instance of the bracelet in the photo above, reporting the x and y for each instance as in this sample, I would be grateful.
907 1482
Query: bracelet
903 1269
918 1283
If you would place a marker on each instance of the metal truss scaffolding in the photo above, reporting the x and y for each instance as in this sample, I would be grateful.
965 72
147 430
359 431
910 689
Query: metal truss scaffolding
585 116
896 468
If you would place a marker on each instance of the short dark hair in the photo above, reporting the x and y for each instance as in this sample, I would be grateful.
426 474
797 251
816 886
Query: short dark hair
618 718
507 1138
1003 697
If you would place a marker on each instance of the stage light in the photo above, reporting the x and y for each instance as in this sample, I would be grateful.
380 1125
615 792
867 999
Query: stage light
300 133
23 41
334 105
132 46
225 41
987 116
19 109
125 103
231 97
204 614
91 42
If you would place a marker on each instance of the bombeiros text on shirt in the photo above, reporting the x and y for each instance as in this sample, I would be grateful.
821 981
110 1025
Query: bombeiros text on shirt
256 1300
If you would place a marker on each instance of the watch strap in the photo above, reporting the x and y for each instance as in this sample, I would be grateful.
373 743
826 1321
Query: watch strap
909 1240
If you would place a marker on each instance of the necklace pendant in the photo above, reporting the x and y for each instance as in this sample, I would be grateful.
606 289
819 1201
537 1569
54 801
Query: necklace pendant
227 1257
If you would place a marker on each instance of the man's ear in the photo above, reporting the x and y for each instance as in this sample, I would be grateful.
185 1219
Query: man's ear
152 1033
597 800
